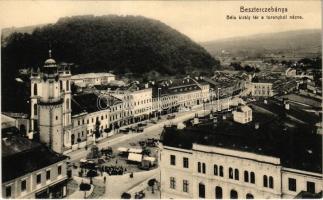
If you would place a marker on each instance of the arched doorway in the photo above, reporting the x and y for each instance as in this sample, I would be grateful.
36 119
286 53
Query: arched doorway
249 196
218 192
201 190
233 194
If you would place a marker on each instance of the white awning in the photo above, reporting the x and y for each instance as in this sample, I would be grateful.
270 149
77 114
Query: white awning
135 157
133 150
150 159
122 149
83 160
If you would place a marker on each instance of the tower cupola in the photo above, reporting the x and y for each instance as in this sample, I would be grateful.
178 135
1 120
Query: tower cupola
50 67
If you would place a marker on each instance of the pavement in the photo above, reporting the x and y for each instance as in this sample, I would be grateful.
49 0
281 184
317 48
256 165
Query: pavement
118 138
80 194
124 183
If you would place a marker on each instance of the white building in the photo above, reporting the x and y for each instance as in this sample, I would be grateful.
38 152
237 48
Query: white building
31 170
261 89
91 79
242 115
231 160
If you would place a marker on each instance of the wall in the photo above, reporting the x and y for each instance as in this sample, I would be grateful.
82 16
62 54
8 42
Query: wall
31 185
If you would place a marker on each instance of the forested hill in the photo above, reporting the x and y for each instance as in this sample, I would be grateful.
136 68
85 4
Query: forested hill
123 44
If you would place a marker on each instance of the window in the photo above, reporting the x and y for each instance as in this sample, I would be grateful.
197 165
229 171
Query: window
35 89
172 160
230 173
48 175
23 185
203 168
265 181
8 191
67 103
185 185
233 194
218 192
199 167
201 190
38 179
67 85
172 183
236 174
252 177
292 184
246 176
35 109
271 182
59 170
215 170
249 196
60 85
221 171
185 162
310 187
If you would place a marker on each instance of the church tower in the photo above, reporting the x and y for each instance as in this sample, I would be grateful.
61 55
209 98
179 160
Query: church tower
50 104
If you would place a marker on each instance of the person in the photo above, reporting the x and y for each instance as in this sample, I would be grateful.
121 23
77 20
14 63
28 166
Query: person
104 179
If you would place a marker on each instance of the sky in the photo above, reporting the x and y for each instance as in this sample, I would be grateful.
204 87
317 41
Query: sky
200 20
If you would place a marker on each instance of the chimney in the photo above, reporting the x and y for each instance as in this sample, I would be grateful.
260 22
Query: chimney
224 117
265 101
257 125
146 85
287 106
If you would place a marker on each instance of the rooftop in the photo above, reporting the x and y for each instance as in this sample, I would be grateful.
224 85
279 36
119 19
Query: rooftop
21 156
91 75
86 103
297 147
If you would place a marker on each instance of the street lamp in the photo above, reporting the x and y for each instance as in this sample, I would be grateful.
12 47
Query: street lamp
219 98
158 101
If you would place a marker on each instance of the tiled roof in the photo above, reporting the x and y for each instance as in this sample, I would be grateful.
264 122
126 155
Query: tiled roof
297 147
21 156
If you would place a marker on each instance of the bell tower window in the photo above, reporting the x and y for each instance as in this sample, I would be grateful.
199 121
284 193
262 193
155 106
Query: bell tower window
35 109
61 85
35 89
67 103
67 85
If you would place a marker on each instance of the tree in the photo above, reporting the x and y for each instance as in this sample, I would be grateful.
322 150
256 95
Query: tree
146 151
85 187
91 174
125 195
78 142
151 183
97 129
94 153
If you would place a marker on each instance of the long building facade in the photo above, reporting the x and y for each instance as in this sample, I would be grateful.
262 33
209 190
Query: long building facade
212 172
221 158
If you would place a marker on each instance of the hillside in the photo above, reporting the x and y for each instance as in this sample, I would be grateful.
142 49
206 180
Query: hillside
5 32
299 42
142 47
122 44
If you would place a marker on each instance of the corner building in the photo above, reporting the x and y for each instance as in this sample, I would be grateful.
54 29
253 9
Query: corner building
229 160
